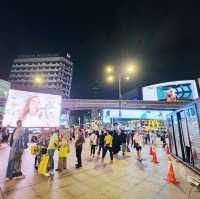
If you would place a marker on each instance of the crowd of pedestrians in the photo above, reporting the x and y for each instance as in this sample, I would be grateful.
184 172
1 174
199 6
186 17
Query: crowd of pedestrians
114 142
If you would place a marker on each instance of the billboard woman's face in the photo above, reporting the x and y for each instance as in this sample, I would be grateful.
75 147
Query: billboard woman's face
34 105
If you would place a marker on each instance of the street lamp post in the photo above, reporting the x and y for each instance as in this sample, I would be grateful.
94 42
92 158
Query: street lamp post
120 75
120 94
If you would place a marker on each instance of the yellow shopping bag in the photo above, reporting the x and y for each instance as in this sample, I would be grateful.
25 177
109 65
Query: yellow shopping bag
42 169
63 151
34 149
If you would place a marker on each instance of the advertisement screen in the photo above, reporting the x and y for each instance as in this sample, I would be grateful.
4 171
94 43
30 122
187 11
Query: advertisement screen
181 90
33 109
4 88
109 114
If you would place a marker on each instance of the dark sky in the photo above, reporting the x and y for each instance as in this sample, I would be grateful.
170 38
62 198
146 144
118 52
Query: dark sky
163 36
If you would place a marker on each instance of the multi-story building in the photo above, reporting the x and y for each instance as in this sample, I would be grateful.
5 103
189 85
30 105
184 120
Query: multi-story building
48 72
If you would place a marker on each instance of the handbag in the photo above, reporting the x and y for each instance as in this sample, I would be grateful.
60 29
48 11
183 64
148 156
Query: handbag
34 149
42 169
63 151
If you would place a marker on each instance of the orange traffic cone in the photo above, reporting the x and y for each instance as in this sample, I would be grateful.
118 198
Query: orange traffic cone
154 158
167 150
171 178
150 151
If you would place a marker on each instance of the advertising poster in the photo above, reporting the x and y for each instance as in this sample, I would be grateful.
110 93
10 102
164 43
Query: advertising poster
171 91
109 114
33 109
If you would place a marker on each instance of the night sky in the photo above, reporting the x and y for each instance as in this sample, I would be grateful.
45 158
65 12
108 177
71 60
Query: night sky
162 36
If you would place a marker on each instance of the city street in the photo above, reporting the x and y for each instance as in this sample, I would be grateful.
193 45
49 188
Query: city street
123 179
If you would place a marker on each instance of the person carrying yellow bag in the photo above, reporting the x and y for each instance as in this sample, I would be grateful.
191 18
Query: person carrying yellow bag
64 150
43 166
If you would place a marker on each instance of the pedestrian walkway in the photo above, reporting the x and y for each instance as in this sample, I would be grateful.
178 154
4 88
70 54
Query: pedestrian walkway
123 179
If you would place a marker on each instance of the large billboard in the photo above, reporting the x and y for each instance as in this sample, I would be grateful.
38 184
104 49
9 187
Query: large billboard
34 109
109 114
4 88
180 90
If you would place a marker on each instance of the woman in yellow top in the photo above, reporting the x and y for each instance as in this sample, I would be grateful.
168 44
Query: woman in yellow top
64 150
53 145
108 146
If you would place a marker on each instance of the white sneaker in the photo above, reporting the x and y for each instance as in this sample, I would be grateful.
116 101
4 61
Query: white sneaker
47 174
52 173
20 177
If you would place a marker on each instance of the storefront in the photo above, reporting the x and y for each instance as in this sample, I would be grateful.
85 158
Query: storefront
184 134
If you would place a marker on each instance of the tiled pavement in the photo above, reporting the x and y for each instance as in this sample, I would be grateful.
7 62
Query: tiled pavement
123 179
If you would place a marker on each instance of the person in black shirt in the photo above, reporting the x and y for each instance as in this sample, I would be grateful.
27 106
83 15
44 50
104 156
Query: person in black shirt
79 146
101 142
116 144
123 138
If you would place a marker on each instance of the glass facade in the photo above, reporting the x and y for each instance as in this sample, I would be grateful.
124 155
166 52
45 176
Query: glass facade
170 129
184 134
177 137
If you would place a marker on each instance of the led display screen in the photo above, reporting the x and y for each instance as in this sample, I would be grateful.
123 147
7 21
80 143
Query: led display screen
4 88
183 90
33 109
109 114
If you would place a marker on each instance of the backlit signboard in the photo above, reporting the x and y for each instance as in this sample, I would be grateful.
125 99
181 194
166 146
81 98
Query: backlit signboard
33 109
182 90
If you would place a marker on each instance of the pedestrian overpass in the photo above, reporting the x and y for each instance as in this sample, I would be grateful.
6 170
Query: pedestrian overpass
86 104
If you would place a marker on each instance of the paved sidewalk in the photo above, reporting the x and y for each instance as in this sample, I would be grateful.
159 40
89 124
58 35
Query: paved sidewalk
123 179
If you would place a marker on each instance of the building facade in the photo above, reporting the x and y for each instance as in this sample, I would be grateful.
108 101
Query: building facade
48 72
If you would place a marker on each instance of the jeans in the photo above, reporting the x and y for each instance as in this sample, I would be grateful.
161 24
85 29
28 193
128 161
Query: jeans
93 149
51 160
78 156
105 151
123 148
101 147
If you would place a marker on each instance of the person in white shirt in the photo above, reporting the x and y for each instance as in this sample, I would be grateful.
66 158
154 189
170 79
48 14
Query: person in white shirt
93 143
138 141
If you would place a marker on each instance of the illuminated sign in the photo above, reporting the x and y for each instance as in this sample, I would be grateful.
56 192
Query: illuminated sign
180 90
33 109
4 88
109 114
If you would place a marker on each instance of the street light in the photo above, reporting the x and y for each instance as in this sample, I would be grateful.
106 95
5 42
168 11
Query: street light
110 79
127 78
109 69
120 73
38 80
130 68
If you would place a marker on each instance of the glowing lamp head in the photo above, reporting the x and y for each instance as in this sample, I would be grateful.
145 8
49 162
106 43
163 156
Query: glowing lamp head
127 78
130 69
109 69
110 79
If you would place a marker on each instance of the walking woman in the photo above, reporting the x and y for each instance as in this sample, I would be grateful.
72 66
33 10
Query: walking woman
116 144
53 145
16 151
64 150
93 143
138 141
